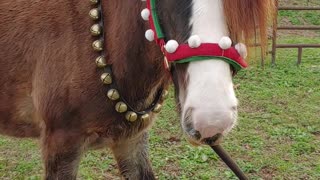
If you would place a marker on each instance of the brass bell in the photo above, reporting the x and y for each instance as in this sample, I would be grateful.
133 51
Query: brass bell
94 14
131 116
101 62
165 94
94 1
95 30
113 94
121 107
106 78
97 45
157 108
145 117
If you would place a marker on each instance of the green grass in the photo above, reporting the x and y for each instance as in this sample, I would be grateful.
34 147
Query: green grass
278 136
299 18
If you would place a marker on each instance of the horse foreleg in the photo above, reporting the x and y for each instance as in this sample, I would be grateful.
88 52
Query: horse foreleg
62 151
132 158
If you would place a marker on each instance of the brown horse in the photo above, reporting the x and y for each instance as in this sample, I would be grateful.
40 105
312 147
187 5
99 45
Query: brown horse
50 86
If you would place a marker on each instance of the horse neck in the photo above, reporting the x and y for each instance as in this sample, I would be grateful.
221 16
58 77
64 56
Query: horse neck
137 64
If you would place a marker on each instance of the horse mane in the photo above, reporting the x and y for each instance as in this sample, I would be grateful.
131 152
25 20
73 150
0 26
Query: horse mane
248 20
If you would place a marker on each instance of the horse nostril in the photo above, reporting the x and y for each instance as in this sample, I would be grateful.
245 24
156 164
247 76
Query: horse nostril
196 135
213 140
188 124
188 113
234 108
188 119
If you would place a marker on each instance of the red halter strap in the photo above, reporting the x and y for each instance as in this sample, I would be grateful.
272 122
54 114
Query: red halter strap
207 51
185 54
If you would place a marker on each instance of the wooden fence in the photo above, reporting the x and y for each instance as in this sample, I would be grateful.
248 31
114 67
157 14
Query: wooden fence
276 28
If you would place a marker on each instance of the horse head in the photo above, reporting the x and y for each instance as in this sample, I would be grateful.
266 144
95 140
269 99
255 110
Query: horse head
189 31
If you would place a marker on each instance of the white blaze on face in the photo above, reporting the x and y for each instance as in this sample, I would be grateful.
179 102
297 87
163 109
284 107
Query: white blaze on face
210 90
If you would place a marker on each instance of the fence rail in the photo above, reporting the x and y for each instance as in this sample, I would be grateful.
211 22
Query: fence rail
298 8
300 47
298 28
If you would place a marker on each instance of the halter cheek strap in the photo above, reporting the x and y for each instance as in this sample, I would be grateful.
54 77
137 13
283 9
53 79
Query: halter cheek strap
153 18
194 50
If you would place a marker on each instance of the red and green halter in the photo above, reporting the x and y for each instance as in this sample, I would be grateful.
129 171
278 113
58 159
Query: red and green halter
184 53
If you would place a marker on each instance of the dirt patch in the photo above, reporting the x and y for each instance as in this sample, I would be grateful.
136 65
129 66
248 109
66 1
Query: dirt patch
307 34
317 134
174 170
268 173
286 22
111 176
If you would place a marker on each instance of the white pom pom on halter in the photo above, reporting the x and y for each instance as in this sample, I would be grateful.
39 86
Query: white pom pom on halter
194 41
225 43
242 50
172 46
149 35
145 14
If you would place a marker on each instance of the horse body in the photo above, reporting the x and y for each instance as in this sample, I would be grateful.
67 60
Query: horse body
50 86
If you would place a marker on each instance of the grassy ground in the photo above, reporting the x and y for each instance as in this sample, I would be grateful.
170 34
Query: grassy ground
278 136
300 17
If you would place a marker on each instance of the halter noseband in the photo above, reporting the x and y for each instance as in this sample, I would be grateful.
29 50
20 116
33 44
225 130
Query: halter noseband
194 50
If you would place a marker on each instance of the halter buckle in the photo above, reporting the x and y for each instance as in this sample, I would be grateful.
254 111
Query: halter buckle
166 63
